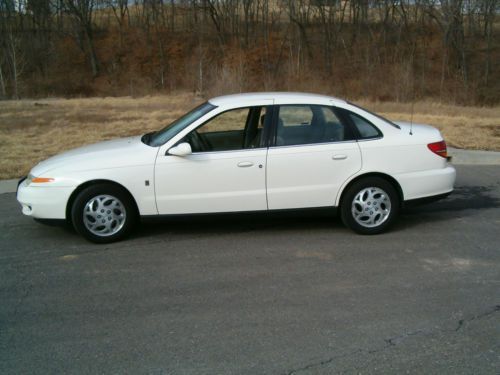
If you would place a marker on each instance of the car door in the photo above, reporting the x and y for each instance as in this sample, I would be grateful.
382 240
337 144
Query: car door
226 170
313 154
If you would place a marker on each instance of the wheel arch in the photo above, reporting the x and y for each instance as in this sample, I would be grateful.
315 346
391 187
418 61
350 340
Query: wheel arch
86 184
382 175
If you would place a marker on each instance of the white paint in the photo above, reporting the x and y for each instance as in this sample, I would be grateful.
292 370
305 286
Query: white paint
243 180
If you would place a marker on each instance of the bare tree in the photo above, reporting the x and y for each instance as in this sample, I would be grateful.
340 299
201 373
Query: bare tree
11 44
488 11
81 12
121 13
3 93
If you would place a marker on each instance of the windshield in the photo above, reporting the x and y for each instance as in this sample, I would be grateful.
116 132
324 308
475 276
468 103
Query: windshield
376 115
162 136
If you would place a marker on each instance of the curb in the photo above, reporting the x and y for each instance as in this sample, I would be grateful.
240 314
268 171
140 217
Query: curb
459 157
8 186
474 157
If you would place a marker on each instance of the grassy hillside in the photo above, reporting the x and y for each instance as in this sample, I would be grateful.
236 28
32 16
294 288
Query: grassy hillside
382 50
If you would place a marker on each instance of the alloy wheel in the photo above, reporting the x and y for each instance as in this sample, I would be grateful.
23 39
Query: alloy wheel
104 215
371 207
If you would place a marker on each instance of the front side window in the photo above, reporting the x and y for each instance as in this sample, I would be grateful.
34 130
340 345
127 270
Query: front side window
236 129
309 124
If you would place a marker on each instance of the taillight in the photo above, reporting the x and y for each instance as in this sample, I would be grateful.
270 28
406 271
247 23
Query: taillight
439 148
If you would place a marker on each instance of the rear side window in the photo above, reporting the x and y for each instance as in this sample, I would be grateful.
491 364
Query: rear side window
365 128
309 124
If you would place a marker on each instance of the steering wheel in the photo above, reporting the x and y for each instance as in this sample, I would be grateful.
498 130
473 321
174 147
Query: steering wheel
204 141
199 142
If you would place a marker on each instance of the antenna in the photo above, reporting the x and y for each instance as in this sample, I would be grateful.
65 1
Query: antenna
411 118
412 98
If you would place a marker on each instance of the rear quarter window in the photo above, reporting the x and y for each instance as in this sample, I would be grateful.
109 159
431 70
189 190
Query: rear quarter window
365 128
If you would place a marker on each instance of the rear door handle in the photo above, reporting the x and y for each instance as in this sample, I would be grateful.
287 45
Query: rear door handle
245 164
339 157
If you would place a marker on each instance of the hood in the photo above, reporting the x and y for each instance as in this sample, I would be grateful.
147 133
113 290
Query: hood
116 153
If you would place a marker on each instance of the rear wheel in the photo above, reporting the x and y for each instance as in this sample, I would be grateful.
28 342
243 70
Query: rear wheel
103 213
370 205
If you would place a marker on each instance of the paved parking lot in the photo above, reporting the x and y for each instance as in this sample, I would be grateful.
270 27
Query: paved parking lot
284 294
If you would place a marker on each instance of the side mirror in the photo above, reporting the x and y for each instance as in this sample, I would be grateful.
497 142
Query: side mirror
182 149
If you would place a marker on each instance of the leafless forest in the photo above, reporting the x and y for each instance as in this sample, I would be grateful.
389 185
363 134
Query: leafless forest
390 50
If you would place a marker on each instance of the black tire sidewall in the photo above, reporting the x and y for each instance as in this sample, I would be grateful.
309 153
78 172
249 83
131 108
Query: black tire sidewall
354 189
94 190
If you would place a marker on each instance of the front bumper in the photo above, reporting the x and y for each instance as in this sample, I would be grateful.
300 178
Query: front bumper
20 182
43 202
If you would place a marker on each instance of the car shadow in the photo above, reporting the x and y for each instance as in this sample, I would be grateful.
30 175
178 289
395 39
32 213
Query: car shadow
239 222
463 199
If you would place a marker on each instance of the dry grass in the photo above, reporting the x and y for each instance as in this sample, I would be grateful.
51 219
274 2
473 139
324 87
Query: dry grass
31 131
475 128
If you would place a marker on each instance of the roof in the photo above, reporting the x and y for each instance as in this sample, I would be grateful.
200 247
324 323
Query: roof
279 97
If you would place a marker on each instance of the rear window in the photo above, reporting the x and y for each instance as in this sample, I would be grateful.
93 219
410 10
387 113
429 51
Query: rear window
376 115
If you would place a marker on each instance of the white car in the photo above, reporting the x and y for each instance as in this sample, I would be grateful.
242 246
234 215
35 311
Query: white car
245 152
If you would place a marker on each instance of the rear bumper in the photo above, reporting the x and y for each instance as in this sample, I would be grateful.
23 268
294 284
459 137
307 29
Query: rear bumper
43 202
426 200
427 184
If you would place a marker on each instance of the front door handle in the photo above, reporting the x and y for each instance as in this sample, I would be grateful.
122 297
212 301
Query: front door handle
339 157
245 164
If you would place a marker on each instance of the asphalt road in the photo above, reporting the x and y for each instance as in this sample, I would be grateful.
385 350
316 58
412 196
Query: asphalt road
259 295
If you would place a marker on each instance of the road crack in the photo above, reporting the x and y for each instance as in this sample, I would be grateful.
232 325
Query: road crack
395 341
322 363
484 314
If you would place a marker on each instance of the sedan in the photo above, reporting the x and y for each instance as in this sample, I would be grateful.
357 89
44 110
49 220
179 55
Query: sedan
246 152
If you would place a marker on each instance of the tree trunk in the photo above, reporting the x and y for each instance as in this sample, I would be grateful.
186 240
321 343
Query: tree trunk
14 66
3 94
94 62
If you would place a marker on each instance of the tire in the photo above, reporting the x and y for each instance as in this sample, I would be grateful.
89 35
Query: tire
370 205
103 213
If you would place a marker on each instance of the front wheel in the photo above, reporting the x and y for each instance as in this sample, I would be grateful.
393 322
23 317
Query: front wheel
370 205
103 213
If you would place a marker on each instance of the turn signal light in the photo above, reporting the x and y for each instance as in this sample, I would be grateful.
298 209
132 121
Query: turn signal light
439 148
40 180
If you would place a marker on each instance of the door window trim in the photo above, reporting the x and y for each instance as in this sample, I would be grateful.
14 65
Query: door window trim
317 144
